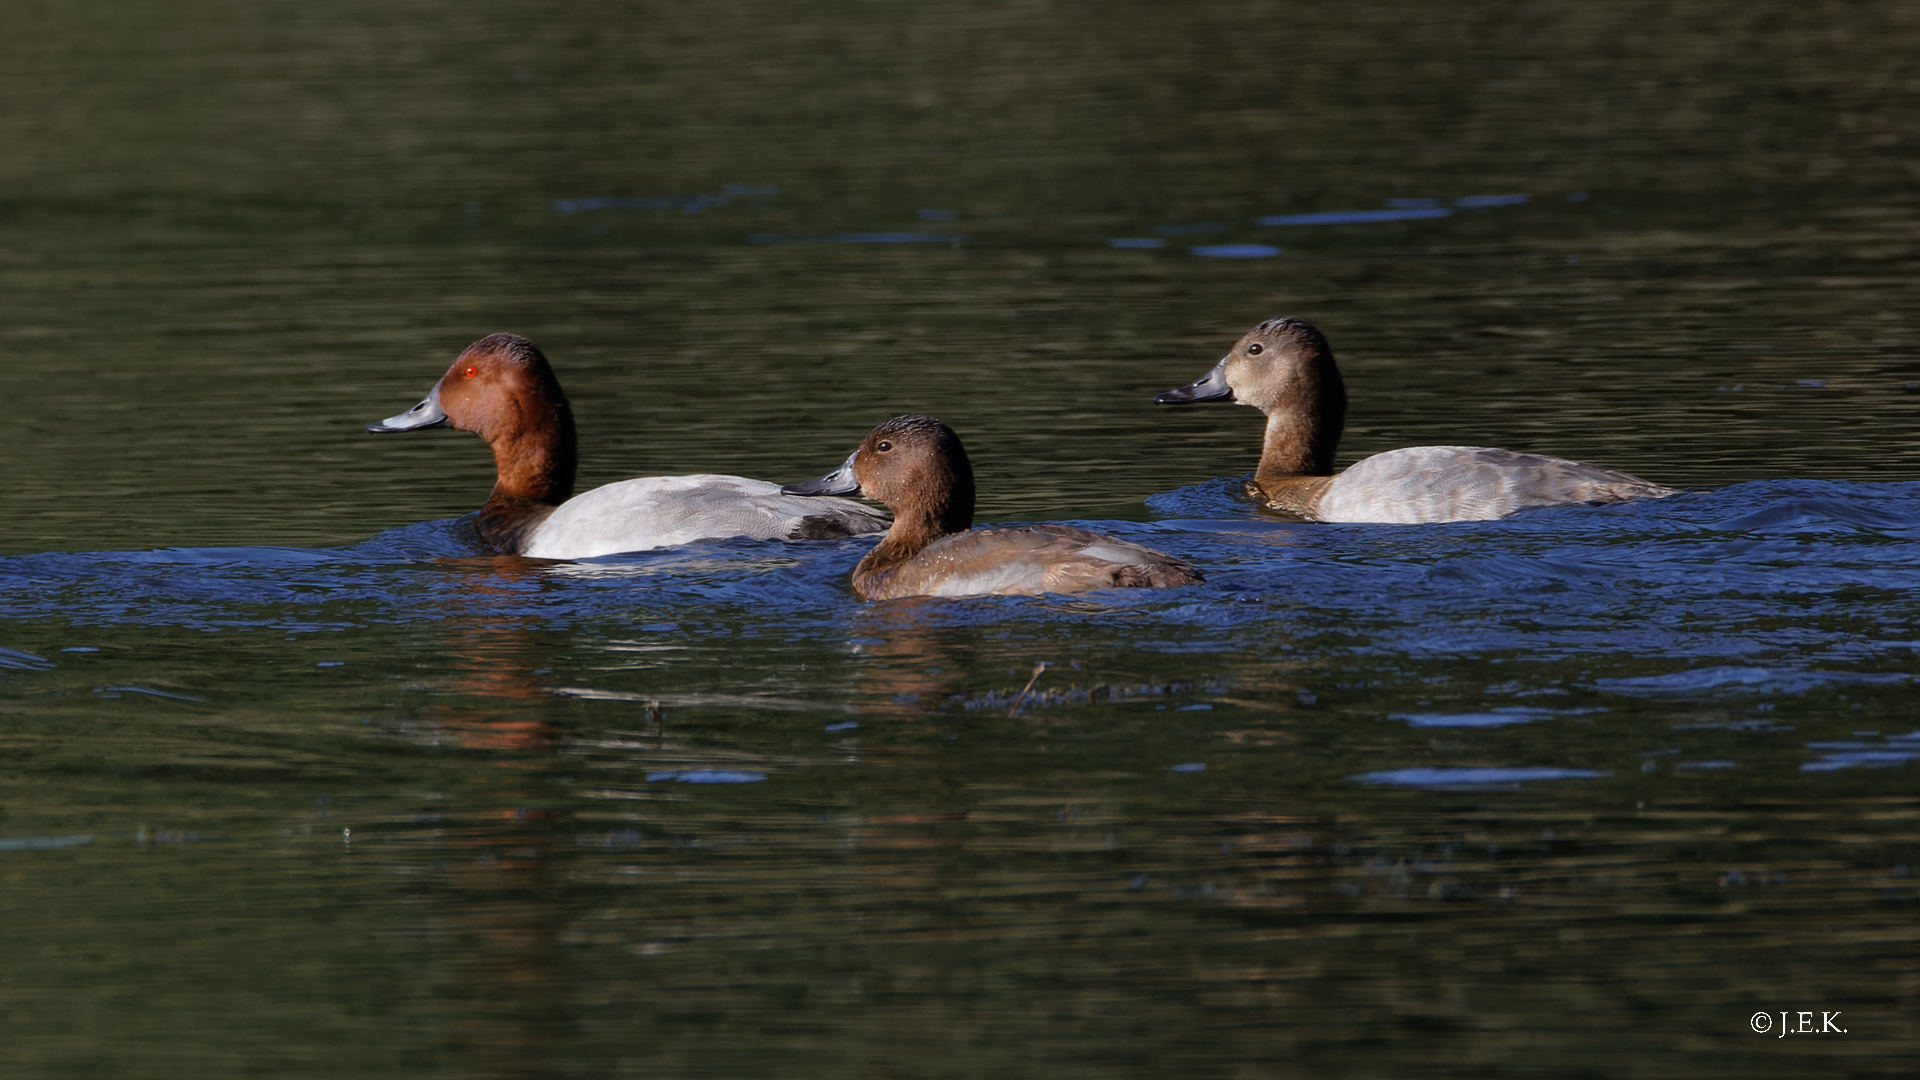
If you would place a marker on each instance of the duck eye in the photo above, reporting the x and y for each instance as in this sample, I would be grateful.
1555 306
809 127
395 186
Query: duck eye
1256 349
883 446
472 371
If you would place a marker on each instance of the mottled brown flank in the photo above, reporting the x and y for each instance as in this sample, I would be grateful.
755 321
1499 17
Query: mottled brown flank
1161 576
827 527
1025 560
1293 495
507 524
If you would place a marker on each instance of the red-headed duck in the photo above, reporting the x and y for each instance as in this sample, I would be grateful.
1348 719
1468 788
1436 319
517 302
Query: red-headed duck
917 467
502 389
1284 368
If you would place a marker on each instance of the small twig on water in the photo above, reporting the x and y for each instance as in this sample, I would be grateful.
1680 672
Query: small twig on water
1037 669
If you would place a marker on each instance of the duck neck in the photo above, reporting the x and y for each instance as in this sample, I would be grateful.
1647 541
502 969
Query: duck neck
917 526
535 458
1303 431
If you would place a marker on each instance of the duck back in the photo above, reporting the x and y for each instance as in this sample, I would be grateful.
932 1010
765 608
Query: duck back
1422 484
1025 560
661 511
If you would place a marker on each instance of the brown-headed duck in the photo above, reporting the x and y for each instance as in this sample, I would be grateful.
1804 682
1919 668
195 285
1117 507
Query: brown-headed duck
1284 368
502 389
917 467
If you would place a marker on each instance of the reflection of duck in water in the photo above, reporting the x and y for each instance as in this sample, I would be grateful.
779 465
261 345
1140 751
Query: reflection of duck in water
503 389
1284 368
917 467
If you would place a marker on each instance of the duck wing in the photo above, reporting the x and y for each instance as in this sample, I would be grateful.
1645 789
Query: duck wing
1030 560
662 511
1468 483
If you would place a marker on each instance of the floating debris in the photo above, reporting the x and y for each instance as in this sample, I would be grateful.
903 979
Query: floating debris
1101 694
1037 669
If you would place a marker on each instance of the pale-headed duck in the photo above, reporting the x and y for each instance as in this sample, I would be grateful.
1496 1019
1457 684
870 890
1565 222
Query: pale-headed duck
917 467
1284 368
502 389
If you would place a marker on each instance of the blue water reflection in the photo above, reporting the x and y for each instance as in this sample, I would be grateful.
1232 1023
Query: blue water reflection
1480 778
706 776
43 843
14 658
1492 718
1726 679
1742 591
1397 209
856 238
1355 217
1235 251
688 204
1894 750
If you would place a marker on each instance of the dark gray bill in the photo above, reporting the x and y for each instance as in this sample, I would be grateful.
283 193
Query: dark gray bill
1209 387
840 481
427 414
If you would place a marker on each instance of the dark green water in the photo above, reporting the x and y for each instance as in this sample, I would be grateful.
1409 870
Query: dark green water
294 783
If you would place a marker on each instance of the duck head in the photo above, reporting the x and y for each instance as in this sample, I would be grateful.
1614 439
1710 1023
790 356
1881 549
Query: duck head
499 386
502 389
915 466
1283 367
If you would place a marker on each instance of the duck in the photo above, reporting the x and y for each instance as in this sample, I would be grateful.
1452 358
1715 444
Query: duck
1284 367
917 468
503 389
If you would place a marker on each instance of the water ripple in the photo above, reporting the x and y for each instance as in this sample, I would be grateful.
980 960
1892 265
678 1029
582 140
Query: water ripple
1780 587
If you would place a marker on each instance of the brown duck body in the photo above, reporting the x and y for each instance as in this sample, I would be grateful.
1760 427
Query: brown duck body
1285 368
917 467
1022 560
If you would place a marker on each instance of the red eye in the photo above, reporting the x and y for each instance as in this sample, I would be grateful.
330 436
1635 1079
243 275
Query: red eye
472 371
